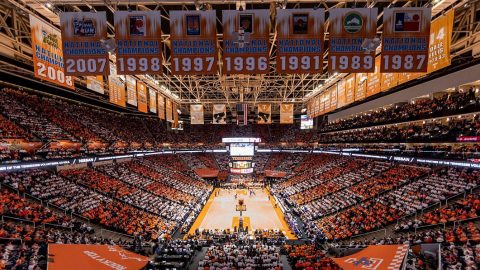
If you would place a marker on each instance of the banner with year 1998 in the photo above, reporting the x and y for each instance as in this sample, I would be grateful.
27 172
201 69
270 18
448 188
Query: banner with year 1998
82 35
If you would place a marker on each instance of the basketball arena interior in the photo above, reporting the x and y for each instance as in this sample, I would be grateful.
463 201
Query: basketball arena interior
247 134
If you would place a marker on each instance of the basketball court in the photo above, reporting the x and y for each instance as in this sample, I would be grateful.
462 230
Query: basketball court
220 212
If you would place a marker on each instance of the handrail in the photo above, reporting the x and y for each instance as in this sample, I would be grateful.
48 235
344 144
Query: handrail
368 233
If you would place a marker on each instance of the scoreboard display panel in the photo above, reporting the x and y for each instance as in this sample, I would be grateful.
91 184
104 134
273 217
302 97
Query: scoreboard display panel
242 149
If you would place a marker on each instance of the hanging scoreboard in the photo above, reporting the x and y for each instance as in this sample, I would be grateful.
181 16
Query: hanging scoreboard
193 37
246 41
349 29
82 35
138 35
406 33
300 40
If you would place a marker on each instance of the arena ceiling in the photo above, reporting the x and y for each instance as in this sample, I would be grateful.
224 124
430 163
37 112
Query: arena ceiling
220 88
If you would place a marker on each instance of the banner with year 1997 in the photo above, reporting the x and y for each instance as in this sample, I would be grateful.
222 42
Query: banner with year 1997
138 35
300 40
245 41
83 50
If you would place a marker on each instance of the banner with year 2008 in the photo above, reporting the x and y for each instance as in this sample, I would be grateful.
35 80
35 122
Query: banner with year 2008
245 41
193 37
138 35
349 29
406 33
300 40
82 35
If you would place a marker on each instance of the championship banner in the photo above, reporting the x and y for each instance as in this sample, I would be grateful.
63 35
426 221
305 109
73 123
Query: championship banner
139 36
264 113
321 104
389 80
175 115
245 41
310 108
116 89
341 95
333 97
350 88
380 257
349 28
408 76
152 101
326 101
93 257
131 90
196 114
142 97
193 36
406 32
360 86
219 114
161 106
316 106
95 83
169 110
440 40
83 51
286 113
47 53
373 79
300 40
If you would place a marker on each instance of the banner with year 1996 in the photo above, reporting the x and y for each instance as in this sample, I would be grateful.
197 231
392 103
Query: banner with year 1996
83 50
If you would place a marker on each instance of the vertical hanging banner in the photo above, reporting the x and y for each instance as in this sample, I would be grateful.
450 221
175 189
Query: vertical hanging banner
83 50
286 113
152 100
138 35
116 88
95 83
219 114
264 113
321 104
341 95
349 29
142 97
389 80
316 106
161 106
47 53
349 89
245 41
175 115
196 114
193 36
440 40
333 97
310 108
169 110
326 101
131 90
406 32
373 79
300 40
360 86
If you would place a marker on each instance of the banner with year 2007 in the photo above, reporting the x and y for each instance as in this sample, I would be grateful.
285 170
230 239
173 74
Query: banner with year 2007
300 40
193 36
138 35
349 29
245 41
82 35
47 53
406 33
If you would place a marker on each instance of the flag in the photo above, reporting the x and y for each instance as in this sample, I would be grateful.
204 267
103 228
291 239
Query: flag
408 21
242 113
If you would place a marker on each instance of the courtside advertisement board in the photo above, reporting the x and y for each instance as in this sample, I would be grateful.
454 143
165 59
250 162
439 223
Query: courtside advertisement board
138 35
193 37
245 41
349 29
300 40
406 33
82 36
47 53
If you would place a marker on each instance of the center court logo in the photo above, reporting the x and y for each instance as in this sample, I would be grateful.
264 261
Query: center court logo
353 22
365 263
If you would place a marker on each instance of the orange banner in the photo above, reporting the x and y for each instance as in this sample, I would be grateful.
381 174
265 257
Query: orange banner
333 97
326 101
406 32
138 35
93 257
196 114
246 41
350 88
131 90
389 80
116 89
373 79
169 110
142 97
83 50
264 113
161 106
341 95
310 107
380 257
286 113
175 115
152 100
440 40
95 83
360 86
47 53
316 106
349 28
407 76
300 40
193 37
